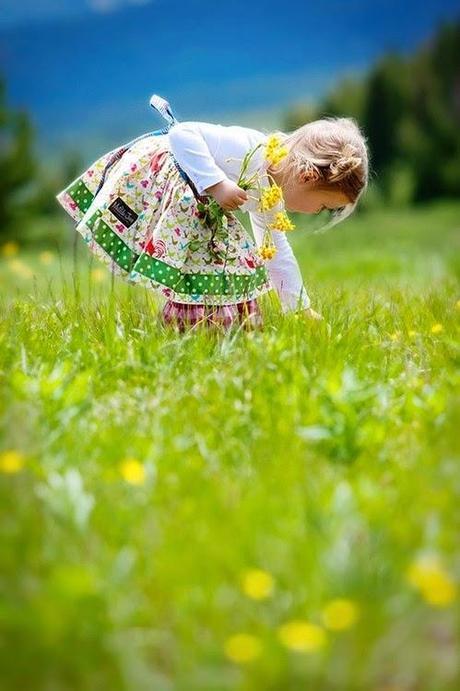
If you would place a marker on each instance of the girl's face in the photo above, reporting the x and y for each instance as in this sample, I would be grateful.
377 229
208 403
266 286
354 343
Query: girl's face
303 197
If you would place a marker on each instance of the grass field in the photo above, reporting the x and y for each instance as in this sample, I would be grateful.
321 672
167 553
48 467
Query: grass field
260 511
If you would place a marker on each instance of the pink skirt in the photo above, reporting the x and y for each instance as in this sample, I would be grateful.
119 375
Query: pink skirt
184 315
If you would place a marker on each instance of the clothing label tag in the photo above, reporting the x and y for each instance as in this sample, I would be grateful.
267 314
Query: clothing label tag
123 212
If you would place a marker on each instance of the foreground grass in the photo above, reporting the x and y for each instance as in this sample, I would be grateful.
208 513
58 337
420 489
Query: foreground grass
267 510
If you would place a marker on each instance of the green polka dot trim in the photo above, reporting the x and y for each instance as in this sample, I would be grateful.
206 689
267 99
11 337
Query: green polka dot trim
81 195
236 285
112 244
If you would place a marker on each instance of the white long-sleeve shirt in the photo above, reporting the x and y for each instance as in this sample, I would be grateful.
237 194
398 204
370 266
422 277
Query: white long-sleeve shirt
211 153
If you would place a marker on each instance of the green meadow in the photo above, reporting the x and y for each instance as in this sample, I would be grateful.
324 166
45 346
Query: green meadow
268 510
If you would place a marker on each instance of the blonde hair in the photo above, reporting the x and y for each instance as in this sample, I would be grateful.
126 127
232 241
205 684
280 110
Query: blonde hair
333 150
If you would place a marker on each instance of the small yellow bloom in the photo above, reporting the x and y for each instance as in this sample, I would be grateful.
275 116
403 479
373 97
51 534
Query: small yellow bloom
98 275
412 333
267 251
11 461
133 471
434 583
437 328
340 614
46 257
394 336
457 304
282 222
273 142
270 197
302 636
274 152
9 249
257 584
277 155
242 647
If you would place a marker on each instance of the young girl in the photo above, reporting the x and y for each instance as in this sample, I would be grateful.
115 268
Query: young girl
140 209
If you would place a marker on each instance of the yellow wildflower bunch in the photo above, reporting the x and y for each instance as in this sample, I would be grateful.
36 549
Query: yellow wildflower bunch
270 197
274 152
282 222
267 251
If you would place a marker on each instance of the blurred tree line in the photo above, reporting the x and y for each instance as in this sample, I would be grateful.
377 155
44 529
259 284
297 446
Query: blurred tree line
27 186
408 109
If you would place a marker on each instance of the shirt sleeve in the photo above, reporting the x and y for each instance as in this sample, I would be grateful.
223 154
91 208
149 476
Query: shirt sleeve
283 268
193 154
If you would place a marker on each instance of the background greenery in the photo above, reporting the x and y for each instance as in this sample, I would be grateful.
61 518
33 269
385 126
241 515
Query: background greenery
270 510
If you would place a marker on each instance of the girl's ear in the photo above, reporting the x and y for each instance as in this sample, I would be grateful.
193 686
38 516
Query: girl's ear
310 175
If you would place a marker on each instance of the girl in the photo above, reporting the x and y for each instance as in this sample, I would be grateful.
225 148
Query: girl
141 209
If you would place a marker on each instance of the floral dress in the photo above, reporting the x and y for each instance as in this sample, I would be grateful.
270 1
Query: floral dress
137 211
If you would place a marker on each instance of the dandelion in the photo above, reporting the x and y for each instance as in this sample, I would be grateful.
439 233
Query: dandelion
302 636
394 336
282 222
46 257
242 647
9 249
257 584
437 328
11 461
340 614
98 275
133 471
433 582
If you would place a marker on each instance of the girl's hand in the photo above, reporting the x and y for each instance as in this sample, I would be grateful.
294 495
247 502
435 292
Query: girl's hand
228 194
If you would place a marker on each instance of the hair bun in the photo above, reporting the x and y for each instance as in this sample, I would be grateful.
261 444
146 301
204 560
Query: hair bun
345 164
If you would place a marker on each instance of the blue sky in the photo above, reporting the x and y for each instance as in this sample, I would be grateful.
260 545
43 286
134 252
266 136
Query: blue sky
85 69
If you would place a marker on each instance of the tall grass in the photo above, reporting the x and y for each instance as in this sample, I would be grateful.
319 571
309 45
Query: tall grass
273 510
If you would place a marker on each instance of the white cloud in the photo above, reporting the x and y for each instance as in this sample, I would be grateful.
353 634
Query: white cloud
14 13
106 6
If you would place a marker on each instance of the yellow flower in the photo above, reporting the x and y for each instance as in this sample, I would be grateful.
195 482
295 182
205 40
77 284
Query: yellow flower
411 333
11 461
270 197
302 636
282 222
242 647
274 152
277 155
257 584
437 328
46 257
9 249
273 142
434 583
98 275
394 336
340 614
457 304
267 251
133 471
